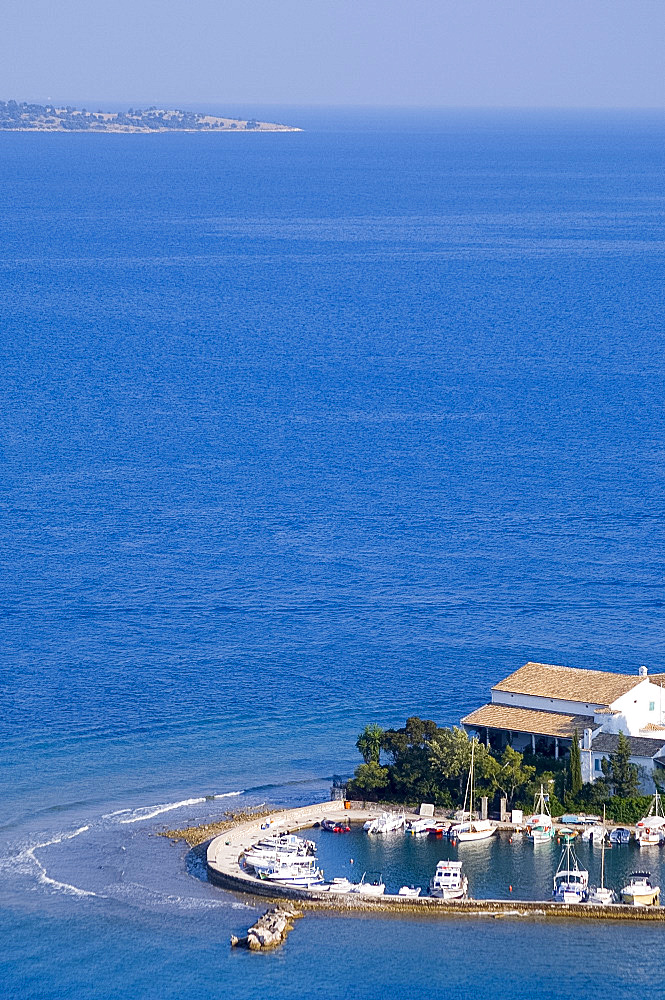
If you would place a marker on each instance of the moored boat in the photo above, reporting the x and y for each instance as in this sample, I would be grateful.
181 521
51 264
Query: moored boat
448 882
364 888
388 822
472 829
620 835
539 827
409 890
640 891
418 827
570 881
602 896
650 831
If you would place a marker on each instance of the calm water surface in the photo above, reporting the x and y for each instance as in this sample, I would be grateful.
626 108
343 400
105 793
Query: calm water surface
302 431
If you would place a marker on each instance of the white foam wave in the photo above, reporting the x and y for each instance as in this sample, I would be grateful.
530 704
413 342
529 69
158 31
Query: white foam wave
149 812
118 812
27 858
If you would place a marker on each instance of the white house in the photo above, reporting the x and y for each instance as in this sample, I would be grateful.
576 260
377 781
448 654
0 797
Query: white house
540 707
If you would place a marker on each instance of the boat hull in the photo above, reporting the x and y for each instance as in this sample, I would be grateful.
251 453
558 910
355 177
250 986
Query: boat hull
641 898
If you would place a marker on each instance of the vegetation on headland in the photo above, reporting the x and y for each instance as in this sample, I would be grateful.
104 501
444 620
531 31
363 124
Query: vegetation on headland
195 835
16 116
423 762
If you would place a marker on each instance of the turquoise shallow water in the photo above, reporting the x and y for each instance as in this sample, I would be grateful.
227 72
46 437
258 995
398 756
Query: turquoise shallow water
298 432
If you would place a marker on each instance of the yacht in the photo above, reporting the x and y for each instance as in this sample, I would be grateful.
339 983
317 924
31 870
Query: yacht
570 881
539 828
640 891
448 881
651 829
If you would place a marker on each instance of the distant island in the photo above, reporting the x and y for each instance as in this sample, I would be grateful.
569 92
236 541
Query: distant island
23 117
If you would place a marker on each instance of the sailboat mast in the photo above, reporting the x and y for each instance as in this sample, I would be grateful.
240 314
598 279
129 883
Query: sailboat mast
602 855
473 743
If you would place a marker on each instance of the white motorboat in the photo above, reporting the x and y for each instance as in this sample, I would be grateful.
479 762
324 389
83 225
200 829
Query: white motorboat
388 822
448 881
640 891
418 827
620 835
539 827
364 888
650 830
368 824
409 890
570 881
595 833
303 874
338 885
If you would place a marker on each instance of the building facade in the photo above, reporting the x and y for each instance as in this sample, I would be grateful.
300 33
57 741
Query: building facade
540 707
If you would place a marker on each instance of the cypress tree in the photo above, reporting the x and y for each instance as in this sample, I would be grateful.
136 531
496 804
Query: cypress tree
623 774
575 765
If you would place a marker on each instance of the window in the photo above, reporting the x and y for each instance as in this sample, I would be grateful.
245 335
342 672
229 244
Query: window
652 705
596 765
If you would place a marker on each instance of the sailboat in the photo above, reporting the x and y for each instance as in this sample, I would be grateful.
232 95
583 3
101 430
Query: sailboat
651 829
602 896
539 827
570 881
473 829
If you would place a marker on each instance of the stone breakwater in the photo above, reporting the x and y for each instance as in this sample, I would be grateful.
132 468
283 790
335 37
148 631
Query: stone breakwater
224 869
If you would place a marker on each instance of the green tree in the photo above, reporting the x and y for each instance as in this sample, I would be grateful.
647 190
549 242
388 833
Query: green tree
370 778
513 774
623 774
410 772
369 743
450 760
575 766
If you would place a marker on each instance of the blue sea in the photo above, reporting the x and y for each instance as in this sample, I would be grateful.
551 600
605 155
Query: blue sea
301 431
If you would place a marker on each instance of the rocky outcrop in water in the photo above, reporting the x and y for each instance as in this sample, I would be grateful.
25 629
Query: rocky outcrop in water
269 930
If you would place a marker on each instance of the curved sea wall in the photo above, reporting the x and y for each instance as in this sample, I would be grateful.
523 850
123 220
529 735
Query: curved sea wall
224 852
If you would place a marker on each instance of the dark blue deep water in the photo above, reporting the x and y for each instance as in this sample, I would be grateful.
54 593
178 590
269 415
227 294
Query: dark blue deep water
301 431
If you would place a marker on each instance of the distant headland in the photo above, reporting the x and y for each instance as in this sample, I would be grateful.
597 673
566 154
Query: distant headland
23 117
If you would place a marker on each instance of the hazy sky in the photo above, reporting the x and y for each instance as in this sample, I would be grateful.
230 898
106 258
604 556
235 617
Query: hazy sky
534 53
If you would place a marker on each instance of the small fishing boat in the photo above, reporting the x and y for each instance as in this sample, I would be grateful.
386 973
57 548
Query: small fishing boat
570 881
367 825
364 888
620 835
601 896
539 827
328 824
594 833
438 830
639 891
650 831
448 882
337 885
472 829
409 890
418 827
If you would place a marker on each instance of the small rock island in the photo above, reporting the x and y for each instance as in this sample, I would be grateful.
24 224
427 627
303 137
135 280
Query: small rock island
23 117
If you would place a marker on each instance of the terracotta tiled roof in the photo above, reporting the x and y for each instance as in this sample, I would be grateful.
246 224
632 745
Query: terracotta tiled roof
526 720
657 679
640 746
597 687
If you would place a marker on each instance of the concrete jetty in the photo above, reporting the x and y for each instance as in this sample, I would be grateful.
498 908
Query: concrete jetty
224 869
